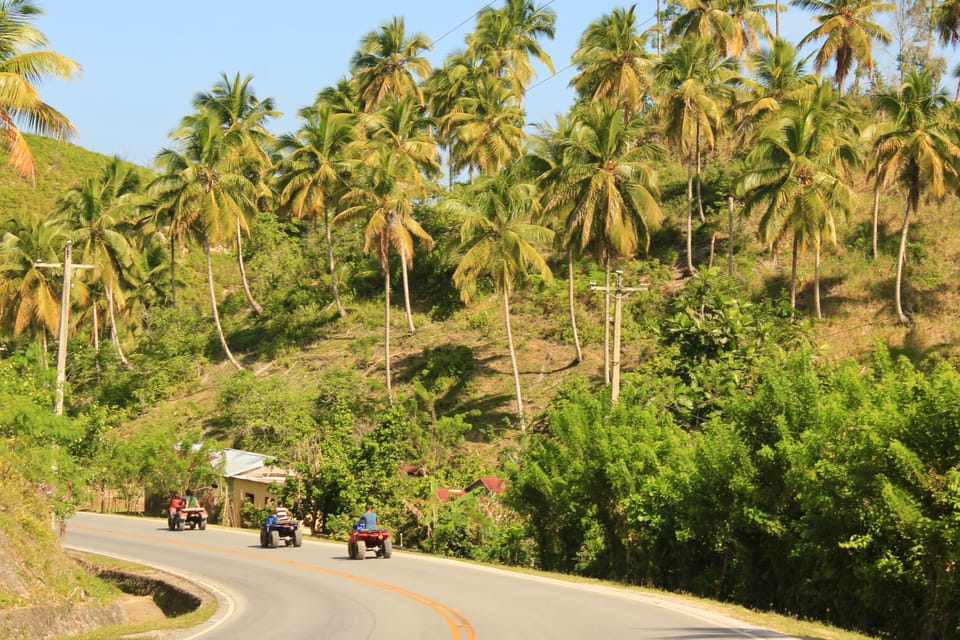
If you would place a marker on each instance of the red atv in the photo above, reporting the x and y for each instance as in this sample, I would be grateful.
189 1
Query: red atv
180 515
363 540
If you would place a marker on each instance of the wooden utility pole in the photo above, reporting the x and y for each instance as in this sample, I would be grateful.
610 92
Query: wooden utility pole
619 293
68 268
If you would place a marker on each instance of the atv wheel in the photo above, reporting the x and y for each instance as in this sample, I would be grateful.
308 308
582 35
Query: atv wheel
179 525
387 550
297 538
361 550
202 525
263 538
274 539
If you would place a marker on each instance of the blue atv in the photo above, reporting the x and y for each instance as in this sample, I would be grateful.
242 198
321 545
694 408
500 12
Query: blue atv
273 531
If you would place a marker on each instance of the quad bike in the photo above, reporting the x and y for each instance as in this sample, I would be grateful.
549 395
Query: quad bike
273 531
179 516
363 540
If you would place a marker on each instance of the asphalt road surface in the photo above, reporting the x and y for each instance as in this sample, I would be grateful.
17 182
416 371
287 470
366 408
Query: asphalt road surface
316 592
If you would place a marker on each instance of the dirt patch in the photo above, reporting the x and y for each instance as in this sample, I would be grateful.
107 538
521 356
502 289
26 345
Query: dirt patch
141 609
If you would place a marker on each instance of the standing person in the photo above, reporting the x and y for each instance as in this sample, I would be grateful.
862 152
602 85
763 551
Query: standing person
370 519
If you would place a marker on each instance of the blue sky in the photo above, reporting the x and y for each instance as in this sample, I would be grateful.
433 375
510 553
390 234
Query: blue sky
143 61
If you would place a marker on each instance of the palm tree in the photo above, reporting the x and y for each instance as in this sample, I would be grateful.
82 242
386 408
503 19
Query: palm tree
731 26
447 87
695 86
917 148
102 211
23 63
312 176
507 38
29 296
848 30
499 242
488 125
796 177
946 21
238 109
603 189
611 61
400 129
389 64
204 189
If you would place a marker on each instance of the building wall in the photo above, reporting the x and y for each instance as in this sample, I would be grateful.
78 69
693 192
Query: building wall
241 490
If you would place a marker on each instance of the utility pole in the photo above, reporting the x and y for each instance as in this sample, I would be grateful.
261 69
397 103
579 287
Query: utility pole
68 268
619 293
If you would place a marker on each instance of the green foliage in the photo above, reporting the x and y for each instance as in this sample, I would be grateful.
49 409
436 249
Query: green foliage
264 414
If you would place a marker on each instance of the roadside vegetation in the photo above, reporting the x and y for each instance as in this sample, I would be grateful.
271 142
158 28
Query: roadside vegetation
701 324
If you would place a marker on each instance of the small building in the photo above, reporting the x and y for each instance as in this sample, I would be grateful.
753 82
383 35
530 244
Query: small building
446 495
248 477
490 485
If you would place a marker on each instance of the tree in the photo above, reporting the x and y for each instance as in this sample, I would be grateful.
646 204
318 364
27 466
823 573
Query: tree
602 188
731 26
29 294
488 126
917 148
507 38
312 176
611 60
102 211
205 189
389 64
694 87
243 116
796 176
22 65
848 31
499 242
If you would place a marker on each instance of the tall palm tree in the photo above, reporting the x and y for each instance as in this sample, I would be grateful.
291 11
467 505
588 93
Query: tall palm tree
488 125
917 148
205 189
499 241
312 175
604 189
239 110
446 89
848 29
23 63
401 130
694 86
946 21
506 39
796 176
733 27
389 64
611 60
102 211
30 294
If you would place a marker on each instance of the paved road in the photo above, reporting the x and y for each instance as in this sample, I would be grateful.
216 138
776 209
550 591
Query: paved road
316 591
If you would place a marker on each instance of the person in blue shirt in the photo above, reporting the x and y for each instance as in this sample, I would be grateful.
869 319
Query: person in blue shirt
369 520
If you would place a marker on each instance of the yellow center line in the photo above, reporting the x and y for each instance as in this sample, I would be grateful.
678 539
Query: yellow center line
456 621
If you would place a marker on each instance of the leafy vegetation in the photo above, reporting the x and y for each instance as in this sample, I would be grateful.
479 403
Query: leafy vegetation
783 438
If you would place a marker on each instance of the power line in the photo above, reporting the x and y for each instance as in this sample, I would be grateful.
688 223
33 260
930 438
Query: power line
468 19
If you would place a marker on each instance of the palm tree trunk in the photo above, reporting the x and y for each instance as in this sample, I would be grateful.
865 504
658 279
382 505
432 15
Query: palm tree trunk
573 315
173 270
386 328
333 273
606 322
876 215
513 361
96 327
406 296
776 31
816 281
730 235
901 259
659 30
216 312
114 338
689 218
703 217
243 273
793 271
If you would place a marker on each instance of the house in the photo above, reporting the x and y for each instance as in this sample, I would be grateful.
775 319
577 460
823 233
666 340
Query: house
248 477
490 485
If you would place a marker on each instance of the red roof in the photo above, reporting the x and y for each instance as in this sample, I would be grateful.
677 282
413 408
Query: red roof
490 484
446 495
